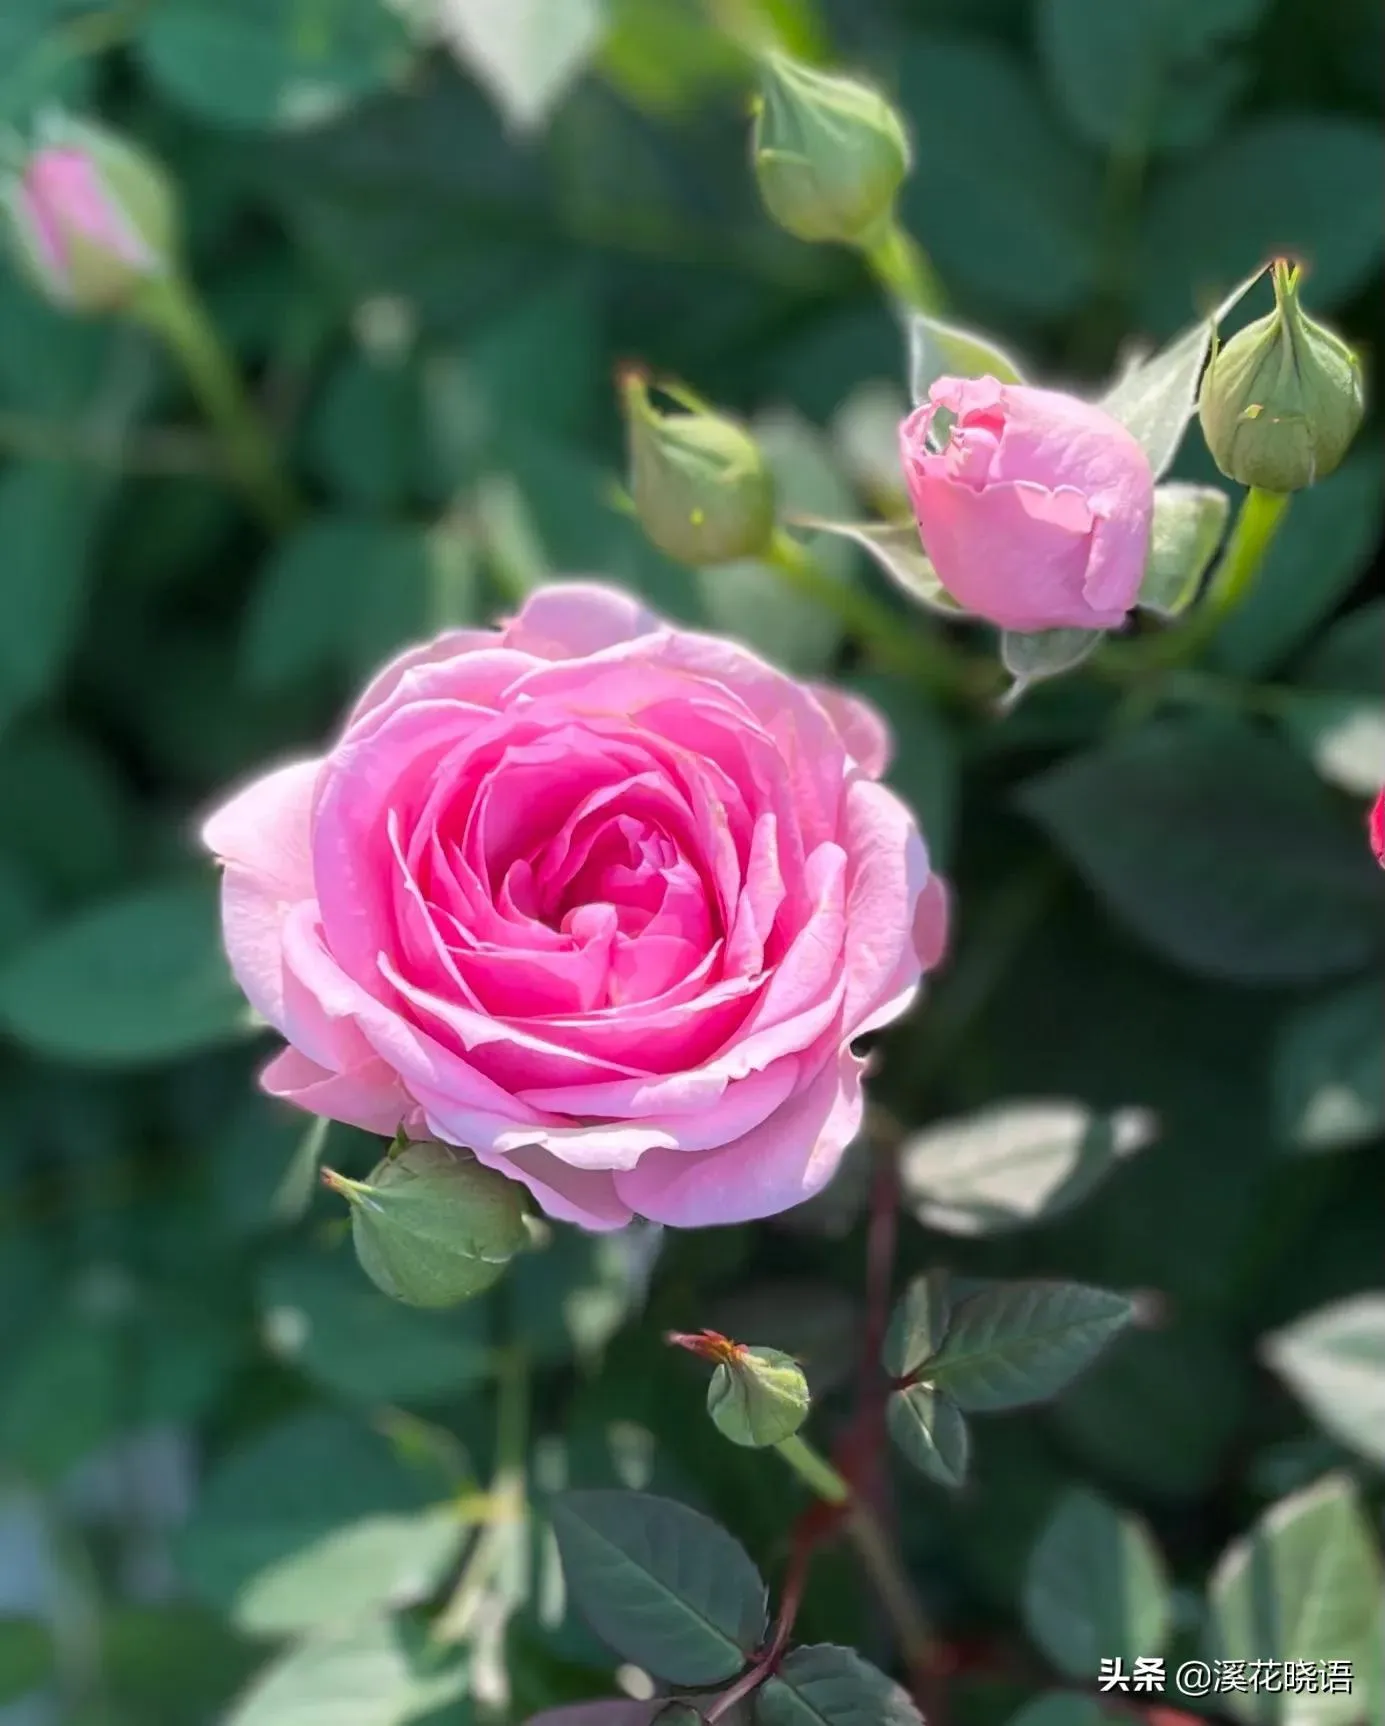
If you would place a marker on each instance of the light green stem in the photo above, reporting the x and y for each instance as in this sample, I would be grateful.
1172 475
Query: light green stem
887 637
815 1471
902 267
173 311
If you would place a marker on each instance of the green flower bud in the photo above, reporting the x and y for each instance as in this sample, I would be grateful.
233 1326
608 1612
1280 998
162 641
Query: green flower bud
92 218
758 1396
1282 400
432 1226
830 153
701 488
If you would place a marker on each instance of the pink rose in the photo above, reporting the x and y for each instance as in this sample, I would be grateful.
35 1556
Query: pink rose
604 900
1036 511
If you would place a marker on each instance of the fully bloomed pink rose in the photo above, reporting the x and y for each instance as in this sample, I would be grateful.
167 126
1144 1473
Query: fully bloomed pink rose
1036 511
604 900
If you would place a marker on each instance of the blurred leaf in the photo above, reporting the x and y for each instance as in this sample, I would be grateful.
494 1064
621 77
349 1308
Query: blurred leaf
54 783
1032 656
896 548
316 1522
342 593
669 57
1095 1588
1334 1361
26 1657
1218 849
61 1398
1348 655
1298 184
1160 72
46 522
162 1662
938 349
324 1317
1189 521
1014 213
1015 1164
1324 544
525 52
826 1686
1329 1082
366 434
1304 1584
617 1712
661 1584
930 1432
1062 1708
1342 735
127 981
34 69
371 1674
262 63
1021 1342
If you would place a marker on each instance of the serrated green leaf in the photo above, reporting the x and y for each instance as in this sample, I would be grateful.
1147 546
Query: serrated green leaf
938 349
1095 1588
827 1686
1267 882
1015 1164
1189 521
1021 1342
929 1430
1327 1076
1334 1361
283 1544
372 1674
918 1324
1304 1584
130 980
660 1583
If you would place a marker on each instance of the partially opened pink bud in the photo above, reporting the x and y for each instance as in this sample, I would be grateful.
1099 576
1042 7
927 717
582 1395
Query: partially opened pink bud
1034 509
92 219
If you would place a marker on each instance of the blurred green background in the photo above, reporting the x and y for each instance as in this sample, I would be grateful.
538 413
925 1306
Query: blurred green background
431 233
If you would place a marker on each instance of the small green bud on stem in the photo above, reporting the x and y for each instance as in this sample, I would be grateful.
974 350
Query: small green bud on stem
1282 400
758 1397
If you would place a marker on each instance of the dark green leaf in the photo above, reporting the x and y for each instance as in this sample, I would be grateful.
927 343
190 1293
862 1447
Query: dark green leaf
1334 1359
660 1583
931 1433
46 520
1017 1343
26 1657
1342 735
1063 1708
1329 1084
918 1324
1266 881
826 1686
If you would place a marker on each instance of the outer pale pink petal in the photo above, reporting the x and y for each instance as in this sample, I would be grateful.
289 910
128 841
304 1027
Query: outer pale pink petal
862 730
889 872
453 644
570 619
932 923
587 1197
265 829
252 930
369 1096
788 1159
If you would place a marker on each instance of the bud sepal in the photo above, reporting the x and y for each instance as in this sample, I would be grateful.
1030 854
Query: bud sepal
758 1397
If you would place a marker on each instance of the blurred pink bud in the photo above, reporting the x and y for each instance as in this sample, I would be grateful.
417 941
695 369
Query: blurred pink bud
1377 829
1034 509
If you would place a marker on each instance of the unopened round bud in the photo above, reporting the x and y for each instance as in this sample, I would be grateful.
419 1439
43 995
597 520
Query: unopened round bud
758 1397
91 217
830 153
432 1226
1282 400
700 485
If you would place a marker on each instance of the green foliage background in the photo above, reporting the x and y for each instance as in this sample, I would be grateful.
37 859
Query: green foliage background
223 1454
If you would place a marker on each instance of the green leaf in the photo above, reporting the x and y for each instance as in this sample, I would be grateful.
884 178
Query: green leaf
317 1522
1064 1708
929 1430
53 781
1302 183
616 1712
263 64
1265 881
1015 1164
1327 1075
526 52
918 1324
26 1657
371 1674
1021 1342
342 593
130 980
1031 656
1095 1587
938 349
365 438
1159 73
1323 546
1014 215
1334 1361
326 1318
1348 656
1342 735
47 512
171 1663
896 549
1189 521
759 1400
660 1583
1304 1584
827 1686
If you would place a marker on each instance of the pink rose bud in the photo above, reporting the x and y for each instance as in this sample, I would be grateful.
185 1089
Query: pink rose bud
1376 825
92 218
1034 509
